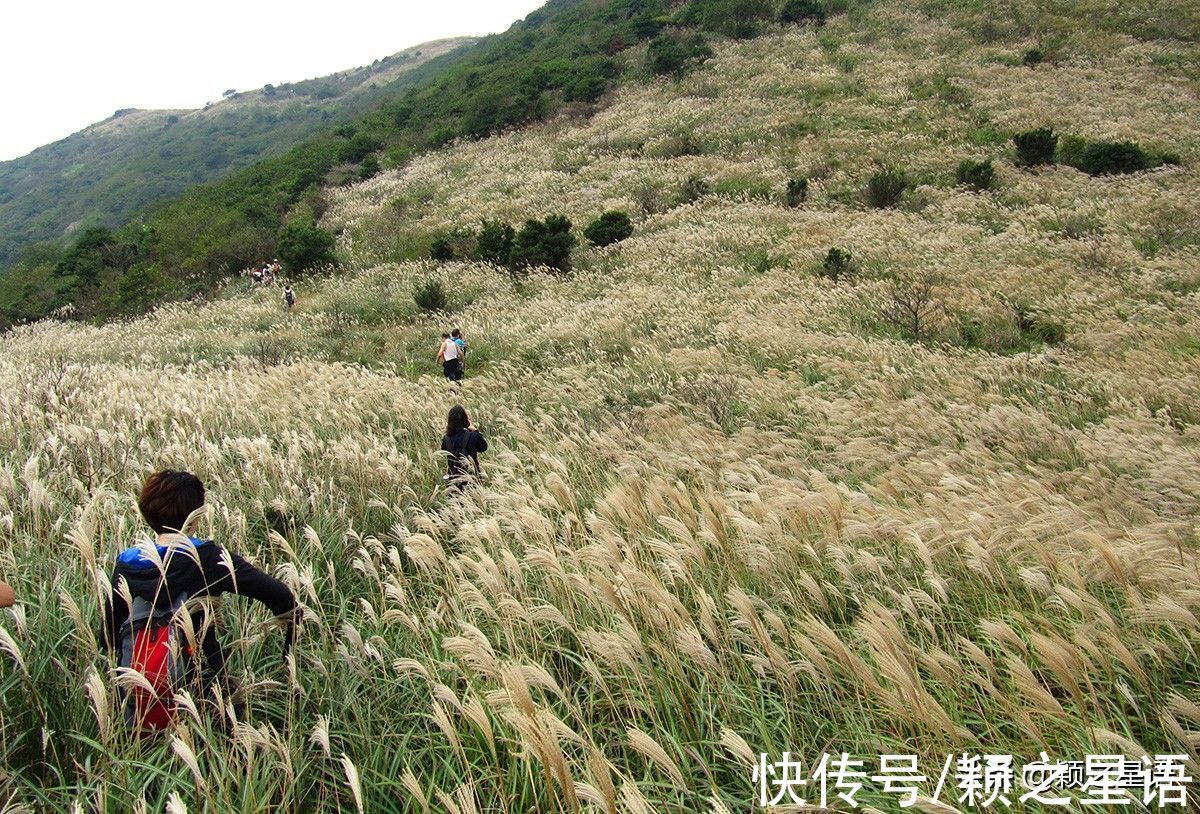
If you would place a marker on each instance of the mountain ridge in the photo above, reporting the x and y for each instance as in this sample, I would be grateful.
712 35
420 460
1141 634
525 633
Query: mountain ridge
112 168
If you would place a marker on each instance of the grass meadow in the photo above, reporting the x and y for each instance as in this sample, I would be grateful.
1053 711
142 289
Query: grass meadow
730 505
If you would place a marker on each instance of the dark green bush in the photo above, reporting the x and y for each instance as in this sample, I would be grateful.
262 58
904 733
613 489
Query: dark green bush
544 243
430 296
673 53
92 252
838 265
358 147
978 175
886 187
455 244
796 192
1113 158
1033 56
302 246
369 167
610 227
802 11
1070 150
143 287
1036 147
441 249
495 242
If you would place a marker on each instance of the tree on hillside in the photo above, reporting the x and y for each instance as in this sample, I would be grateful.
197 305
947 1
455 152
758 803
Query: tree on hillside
544 243
303 246
495 242
94 249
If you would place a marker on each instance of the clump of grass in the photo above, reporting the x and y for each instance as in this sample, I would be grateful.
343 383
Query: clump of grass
886 187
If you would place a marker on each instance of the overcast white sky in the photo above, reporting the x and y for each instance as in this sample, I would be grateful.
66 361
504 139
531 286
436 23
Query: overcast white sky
65 65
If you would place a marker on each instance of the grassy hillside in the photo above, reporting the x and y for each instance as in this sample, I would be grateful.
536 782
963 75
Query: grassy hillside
564 57
111 170
732 504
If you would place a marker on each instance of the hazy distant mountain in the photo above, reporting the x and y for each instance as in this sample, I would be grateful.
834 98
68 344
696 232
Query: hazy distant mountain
109 170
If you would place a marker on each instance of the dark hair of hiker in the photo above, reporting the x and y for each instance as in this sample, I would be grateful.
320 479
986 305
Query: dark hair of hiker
457 332
457 421
168 497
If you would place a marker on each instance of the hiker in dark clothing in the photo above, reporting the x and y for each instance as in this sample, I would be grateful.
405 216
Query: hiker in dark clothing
146 596
463 443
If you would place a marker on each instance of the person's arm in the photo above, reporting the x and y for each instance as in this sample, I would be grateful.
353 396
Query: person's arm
476 443
115 611
8 597
255 583
441 353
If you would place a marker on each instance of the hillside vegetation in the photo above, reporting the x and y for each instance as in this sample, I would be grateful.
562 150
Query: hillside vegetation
566 55
108 172
934 493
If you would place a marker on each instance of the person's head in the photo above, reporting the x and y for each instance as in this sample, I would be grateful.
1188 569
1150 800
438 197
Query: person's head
456 333
445 336
457 421
168 497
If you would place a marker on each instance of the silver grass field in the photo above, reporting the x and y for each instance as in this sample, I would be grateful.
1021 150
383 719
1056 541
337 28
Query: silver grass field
726 509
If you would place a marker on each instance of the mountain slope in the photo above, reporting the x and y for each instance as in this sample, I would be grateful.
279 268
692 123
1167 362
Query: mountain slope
108 171
732 507
565 56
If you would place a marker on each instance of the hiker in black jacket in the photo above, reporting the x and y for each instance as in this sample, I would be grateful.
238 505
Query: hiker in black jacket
191 569
464 443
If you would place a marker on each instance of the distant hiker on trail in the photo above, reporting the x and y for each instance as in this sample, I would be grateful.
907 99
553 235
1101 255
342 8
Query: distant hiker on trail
257 276
146 609
289 296
457 336
451 359
463 442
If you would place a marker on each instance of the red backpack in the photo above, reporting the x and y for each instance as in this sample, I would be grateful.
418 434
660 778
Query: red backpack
153 644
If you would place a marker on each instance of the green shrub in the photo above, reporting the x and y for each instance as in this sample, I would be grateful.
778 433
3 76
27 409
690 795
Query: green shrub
1036 147
544 243
838 265
609 228
978 175
1033 56
1113 158
455 244
802 11
441 249
369 167
740 19
886 187
430 295
796 192
92 252
358 147
1070 150
303 245
143 287
674 53
495 242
